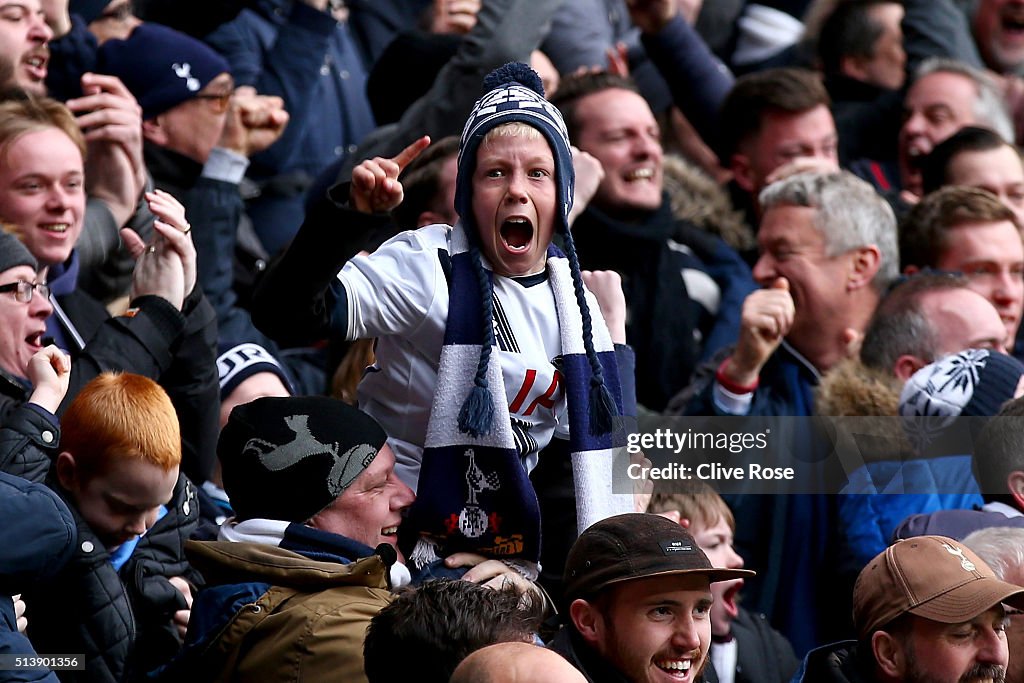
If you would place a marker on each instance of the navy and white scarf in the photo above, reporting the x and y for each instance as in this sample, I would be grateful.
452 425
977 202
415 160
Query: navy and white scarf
474 493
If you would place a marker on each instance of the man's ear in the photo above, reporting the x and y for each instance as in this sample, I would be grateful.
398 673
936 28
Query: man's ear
153 130
1015 484
742 173
853 67
906 365
889 655
587 620
863 267
67 470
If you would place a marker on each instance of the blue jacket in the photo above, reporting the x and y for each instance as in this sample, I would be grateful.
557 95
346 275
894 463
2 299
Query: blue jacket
315 64
788 538
37 546
923 485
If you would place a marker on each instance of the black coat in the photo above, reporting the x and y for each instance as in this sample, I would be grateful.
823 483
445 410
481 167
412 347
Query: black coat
763 655
119 620
28 439
176 349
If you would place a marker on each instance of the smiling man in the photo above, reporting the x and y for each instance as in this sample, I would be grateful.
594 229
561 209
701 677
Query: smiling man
998 27
639 593
318 506
925 609
684 287
744 648
945 96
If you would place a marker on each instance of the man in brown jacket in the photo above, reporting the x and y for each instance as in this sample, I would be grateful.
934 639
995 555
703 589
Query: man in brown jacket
304 565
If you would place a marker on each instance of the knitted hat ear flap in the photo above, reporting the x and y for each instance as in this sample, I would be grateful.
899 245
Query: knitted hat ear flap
477 414
602 405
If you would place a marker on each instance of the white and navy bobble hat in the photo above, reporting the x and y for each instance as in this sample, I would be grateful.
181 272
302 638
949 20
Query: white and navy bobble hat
514 93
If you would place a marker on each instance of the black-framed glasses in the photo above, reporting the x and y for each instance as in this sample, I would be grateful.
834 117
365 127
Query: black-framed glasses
23 291
220 102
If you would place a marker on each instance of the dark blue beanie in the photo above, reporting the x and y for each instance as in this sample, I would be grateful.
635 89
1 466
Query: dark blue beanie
89 10
160 66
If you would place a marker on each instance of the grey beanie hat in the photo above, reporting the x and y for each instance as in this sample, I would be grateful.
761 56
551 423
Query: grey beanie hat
13 253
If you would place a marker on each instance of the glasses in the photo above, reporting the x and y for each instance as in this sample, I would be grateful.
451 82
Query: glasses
23 291
219 102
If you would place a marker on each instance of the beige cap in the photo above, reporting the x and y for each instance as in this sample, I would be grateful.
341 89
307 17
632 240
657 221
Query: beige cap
930 576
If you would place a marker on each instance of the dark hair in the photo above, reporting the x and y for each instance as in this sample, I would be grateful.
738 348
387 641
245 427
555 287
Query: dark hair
786 90
935 166
923 234
899 327
849 31
437 625
575 87
999 450
421 182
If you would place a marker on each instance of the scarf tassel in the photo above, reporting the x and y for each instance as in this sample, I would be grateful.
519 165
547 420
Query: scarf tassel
602 409
477 414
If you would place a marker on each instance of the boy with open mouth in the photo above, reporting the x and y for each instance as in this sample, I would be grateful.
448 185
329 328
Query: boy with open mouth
489 346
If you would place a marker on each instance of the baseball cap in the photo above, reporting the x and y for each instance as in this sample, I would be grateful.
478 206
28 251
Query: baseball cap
934 577
635 546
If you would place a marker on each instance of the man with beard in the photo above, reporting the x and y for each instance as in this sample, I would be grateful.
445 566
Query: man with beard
744 646
638 589
925 609
23 45
1000 547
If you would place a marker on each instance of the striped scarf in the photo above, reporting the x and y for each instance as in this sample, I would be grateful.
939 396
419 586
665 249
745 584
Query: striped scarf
474 493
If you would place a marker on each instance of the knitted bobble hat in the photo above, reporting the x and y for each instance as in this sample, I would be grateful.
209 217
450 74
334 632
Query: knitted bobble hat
971 384
514 93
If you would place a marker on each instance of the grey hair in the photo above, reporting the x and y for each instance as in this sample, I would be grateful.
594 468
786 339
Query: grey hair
850 214
989 106
1001 548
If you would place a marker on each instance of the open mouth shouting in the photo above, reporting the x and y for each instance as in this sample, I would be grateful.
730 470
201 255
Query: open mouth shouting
729 603
1011 20
516 234
35 340
34 64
